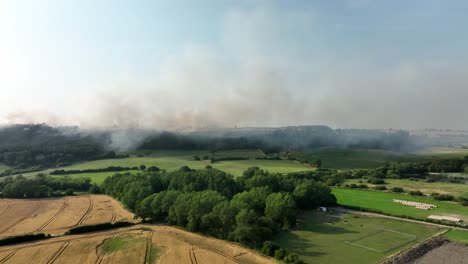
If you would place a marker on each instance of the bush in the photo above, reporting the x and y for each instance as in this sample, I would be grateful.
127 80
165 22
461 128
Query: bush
94 189
363 186
397 190
280 254
380 188
444 197
196 157
69 192
269 248
416 193
376 181
98 227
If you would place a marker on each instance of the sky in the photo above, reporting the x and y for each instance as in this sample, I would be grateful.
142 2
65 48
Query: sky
225 63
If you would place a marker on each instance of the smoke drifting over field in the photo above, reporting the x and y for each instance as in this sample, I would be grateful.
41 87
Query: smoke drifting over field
259 78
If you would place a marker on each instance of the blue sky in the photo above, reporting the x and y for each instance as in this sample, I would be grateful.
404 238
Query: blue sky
170 63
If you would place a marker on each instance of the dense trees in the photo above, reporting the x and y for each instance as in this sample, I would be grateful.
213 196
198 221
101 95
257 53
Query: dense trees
42 186
248 210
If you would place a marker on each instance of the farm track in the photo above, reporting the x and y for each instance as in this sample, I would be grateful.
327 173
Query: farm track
38 205
9 256
88 211
65 204
58 253
193 258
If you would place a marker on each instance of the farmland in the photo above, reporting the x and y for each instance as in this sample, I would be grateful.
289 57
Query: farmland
457 235
427 188
173 160
56 215
331 237
443 152
383 201
138 244
337 158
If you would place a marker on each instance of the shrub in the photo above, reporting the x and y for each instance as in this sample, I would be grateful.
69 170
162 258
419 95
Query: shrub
363 186
416 193
444 197
377 181
269 248
397 189
69 192
196 157
280 254
380 188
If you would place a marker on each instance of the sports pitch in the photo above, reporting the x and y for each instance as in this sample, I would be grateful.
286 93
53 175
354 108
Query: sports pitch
333 237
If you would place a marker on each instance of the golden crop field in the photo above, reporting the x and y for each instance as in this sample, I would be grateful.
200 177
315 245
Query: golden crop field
137 244
57 215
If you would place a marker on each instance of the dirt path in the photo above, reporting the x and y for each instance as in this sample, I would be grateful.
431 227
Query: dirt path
90 208
344 210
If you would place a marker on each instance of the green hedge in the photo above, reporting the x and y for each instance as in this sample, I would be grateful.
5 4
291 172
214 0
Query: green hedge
22 239
98 227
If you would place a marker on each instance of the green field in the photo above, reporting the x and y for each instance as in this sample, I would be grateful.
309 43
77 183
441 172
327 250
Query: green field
353 158
121 243
457 235
348 238
441 152
383 201
456 189
173 160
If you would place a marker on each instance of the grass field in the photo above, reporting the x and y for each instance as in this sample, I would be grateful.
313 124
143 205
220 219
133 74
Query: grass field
457 235
383 201
173 160
456 189
348 238
121 243
353 158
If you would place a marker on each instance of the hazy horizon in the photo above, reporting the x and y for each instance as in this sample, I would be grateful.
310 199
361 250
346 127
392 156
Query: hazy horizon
207 64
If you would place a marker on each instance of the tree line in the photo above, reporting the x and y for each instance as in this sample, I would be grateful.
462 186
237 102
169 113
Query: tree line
41 186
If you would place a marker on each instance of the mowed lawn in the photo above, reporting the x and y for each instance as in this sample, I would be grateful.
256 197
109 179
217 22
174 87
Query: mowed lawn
383 201
337 158
348 238
456 189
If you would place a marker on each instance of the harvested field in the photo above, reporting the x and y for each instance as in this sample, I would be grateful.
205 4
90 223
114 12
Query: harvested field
131 245
446 254
57 215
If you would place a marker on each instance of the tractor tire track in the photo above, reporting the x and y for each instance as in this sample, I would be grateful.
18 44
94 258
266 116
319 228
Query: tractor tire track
9 256
6 208
38 205
59 252
88 211
65 204
193 257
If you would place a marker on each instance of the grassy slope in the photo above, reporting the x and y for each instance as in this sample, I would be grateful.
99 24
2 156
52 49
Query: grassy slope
383 201
321 237
427 188
353 158
457 235
121 243
3 167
